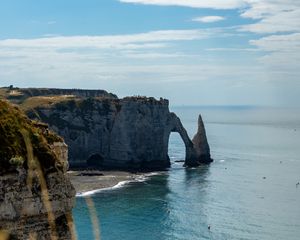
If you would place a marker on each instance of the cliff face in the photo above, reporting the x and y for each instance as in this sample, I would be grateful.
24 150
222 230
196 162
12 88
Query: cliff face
130 133
36 196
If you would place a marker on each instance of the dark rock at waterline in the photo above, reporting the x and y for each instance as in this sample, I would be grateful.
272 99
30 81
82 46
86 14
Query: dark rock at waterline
179 161
92 173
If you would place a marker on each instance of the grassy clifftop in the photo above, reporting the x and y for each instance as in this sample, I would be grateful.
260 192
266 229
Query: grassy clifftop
19 95
15 129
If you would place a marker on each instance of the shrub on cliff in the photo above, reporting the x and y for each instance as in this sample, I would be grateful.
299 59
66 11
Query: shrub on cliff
14 125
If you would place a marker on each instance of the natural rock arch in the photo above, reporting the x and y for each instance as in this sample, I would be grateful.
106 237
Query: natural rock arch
176 126
130 133
197 150
176 148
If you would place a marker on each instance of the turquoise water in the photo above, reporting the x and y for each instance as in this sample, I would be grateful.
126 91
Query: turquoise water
249 192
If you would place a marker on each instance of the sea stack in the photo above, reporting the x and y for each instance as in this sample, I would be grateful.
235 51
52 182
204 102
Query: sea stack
201 145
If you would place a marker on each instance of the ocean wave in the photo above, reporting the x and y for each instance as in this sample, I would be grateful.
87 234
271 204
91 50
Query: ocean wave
154 174
92 192
140 178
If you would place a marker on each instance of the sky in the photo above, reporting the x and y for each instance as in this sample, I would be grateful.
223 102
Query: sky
193 52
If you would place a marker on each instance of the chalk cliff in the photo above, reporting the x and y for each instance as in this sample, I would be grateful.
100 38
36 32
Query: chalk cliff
201 144
130 133
36 196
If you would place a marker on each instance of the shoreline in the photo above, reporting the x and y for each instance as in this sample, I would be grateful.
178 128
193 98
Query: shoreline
91 182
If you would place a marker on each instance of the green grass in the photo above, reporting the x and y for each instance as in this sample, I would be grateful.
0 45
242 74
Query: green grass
13 151
43 101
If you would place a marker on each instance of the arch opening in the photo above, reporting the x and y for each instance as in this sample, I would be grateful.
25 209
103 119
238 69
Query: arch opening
176 149
95 160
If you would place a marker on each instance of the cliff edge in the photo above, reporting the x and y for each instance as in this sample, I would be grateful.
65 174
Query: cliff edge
130 133
36 196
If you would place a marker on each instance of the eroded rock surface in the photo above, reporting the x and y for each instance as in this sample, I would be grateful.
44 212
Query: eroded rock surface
200 144
36 196
130 133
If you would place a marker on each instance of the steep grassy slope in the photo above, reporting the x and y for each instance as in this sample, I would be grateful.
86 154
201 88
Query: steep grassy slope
15 127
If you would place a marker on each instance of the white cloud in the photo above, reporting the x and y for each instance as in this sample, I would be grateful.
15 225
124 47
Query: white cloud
274 43
151 56
154 57
215 4
283 51
232 49
95 57
208 19
272 16
279 21
155 39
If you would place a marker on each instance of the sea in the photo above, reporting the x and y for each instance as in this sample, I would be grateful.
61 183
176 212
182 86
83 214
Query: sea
249 192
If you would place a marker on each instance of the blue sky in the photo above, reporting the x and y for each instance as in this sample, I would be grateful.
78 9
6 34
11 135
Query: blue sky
193 52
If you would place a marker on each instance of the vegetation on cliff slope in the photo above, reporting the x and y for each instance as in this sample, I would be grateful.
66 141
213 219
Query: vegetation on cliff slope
13 125
43 101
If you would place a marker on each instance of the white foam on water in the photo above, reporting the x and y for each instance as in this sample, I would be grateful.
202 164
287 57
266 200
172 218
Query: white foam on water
153 174
140 178
92 192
